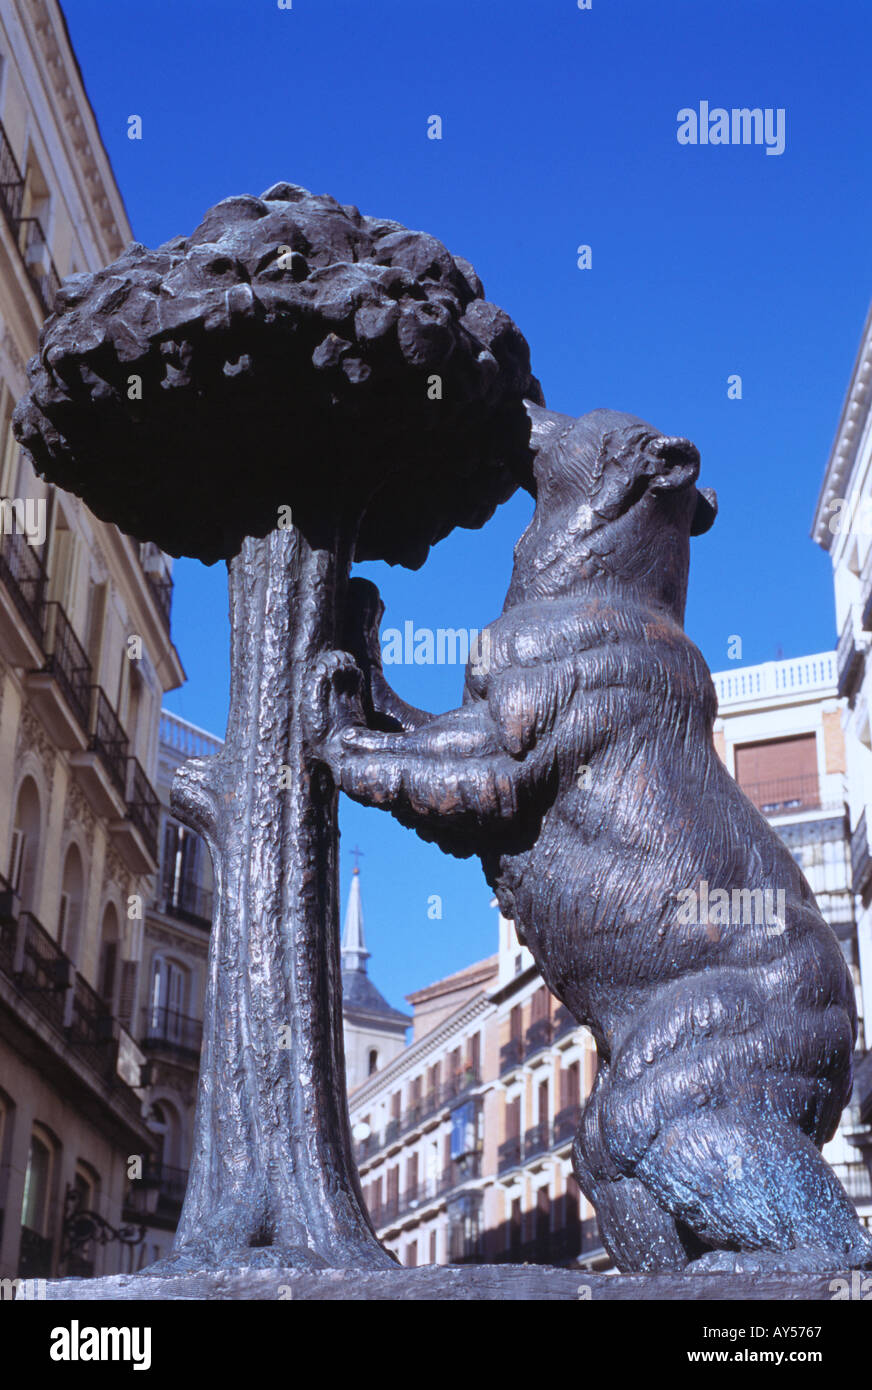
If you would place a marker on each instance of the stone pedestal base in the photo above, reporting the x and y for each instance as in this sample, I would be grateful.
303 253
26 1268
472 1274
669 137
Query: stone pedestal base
467 1283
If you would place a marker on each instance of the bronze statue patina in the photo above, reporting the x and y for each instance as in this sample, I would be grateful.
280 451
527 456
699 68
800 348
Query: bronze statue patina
581 769
296 385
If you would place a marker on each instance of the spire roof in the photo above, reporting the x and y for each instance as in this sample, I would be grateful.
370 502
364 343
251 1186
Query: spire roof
359 995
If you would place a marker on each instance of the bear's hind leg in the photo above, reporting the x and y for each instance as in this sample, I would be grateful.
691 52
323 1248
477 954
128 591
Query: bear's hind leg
752 1182
639 1234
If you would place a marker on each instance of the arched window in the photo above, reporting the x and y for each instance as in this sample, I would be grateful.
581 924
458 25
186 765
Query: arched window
24 852
35 1251
165 1121
107 977
373 1060
71 904
86 1181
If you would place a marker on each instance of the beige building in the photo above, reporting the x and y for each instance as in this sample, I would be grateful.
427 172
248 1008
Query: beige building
843 527
167 1018
463 1140
779 731
85 658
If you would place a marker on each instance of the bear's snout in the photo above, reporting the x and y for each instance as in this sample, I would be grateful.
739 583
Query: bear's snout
672 451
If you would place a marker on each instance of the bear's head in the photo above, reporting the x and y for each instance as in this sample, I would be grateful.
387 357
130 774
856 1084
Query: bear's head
616 505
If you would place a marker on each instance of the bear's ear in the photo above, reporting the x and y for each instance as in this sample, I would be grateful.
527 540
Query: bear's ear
545 424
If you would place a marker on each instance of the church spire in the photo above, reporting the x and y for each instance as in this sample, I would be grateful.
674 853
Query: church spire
354 952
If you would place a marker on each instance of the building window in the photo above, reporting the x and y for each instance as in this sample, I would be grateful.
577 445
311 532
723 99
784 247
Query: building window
107 977
70 906
167 1000
24 851
780 775
372 1063
35 1252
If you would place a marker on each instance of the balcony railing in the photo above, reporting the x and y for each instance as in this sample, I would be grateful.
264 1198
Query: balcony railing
459 1082
143 806
108 739
563 1023
68 662
509 1154
565 1124
539 1036
169 1030
47 978
187 739
188 902
511 1055
861 859
783 795
537 1140
171 1184
92 1027
41 269
158 579
34 1256
41 968
11 183
23 574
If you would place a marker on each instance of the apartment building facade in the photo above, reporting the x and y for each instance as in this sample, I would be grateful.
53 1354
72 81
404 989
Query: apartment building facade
842 526
779 732
463 1141
167 1018
85 658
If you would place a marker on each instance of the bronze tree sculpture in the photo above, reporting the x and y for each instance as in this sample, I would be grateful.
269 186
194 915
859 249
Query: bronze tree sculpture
581 769
292 385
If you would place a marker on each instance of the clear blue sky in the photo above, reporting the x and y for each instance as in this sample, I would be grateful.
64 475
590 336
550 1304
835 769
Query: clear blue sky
559 128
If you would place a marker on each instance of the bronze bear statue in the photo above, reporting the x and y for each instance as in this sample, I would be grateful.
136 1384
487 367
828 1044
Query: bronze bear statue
581 768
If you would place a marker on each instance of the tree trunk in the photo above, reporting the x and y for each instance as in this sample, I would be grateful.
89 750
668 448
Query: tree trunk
272 1179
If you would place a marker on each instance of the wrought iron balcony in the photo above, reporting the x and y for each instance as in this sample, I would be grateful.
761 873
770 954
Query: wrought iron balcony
170 1184
459 1082
537 1140
565 1124
165 1029
108 739
40 968
23 576
564 1023
92 1027
34 1255
861 859
48 980
11 183
158 579
188 902
61 689
511 1055
539 1036
41 269
509 1154
142 805
781 796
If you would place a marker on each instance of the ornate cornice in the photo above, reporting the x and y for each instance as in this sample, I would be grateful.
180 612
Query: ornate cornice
70 93
32 737
78 812
843 454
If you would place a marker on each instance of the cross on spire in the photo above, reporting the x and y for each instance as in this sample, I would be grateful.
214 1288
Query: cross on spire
358 854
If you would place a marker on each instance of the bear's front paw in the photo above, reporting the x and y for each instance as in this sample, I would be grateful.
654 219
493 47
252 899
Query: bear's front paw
334 699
